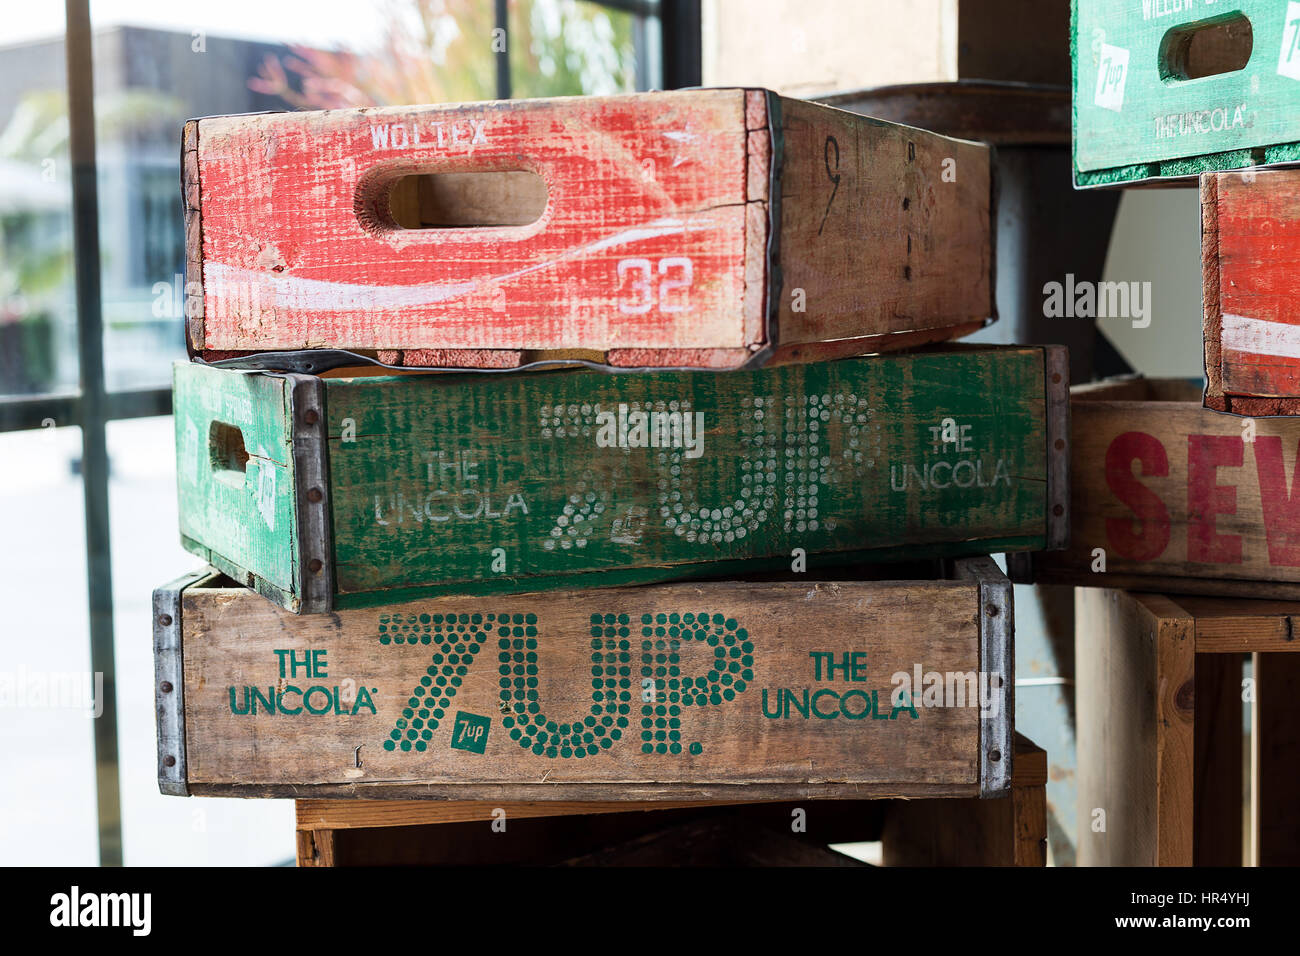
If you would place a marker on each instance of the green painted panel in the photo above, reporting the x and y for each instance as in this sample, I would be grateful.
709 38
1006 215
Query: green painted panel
1135 117
235 476
498 482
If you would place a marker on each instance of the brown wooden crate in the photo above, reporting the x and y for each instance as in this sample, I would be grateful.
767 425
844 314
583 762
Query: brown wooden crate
218 641
1178 497
1160 696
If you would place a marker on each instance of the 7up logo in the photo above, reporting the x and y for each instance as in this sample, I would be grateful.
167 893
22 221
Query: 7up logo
470 732
1288 63
1112 74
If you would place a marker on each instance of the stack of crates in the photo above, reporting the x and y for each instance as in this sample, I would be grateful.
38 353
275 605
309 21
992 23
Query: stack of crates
532 458
1185 532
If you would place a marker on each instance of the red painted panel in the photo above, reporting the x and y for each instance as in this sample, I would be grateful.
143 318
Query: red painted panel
641 245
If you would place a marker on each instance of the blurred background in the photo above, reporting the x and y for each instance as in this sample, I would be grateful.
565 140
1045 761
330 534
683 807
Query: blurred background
79 790
154 65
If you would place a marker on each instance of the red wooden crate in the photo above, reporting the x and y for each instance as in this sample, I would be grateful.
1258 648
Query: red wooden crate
703 228
1251 249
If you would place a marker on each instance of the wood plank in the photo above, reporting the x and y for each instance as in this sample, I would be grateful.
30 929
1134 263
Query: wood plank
315 847
1217 775
1179 498
1251 253
1173 90
252 694
1135 705
847 184
442 483
1275 734
653 242
368 814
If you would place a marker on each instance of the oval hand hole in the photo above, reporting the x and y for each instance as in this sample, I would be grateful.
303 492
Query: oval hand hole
512 197
1206 48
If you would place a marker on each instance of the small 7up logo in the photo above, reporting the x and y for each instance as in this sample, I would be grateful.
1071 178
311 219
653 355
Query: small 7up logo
1289 62
1112 73
470 732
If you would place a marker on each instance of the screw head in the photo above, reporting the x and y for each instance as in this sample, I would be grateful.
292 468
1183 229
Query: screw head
311 416
165 620
314 565
165 687
169 761
314 495
995 755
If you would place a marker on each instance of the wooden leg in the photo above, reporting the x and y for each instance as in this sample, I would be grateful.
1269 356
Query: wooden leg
1029 824
1217 798
1275 733
315 847
1136 694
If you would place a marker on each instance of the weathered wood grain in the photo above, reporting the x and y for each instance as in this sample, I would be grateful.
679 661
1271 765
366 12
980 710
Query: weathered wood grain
653 246
1250 244
440 483
1168 496
850 182
1160 89
1160 696
1136 693
235 475
677 692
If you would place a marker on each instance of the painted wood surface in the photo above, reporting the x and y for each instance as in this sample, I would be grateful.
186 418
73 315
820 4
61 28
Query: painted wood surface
1166 495
674 692
1136 114
654 245
1251 250
235 475
440 483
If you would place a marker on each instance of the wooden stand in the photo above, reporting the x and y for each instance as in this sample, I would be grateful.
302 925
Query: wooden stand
1011 831
1160 697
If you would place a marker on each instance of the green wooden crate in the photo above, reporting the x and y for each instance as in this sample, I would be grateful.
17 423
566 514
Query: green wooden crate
346 492
1137 118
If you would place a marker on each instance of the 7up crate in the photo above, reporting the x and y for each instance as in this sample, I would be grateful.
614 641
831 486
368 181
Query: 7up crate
750 690
346 492
1173 88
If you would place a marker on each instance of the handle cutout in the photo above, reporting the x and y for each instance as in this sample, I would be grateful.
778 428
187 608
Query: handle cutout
512 197
1211 47
226 452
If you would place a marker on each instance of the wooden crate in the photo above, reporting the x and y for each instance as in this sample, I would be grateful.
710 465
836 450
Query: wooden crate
947 832
732 690
1168 496
1167 90
703 229
789 47
1160 698
1250 241
325 493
